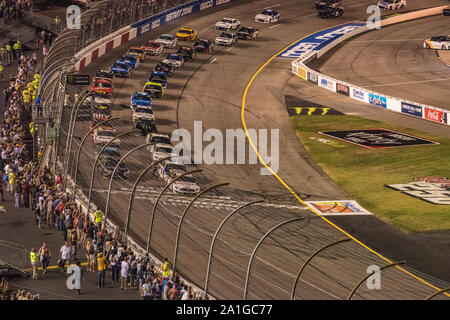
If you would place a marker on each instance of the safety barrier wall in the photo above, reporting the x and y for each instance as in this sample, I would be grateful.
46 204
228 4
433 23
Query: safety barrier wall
300 68
104 45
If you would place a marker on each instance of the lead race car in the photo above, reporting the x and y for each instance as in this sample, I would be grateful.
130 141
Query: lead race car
268 16
391 4
228 24
440 43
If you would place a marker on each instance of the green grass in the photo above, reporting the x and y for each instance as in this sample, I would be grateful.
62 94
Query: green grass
363 173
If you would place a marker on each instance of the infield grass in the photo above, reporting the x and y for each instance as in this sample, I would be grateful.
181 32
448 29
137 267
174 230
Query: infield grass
363 173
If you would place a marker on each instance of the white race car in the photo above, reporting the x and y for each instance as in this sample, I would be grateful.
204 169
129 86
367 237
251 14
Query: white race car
143 112
226 39
228 24
160 151
170 170
391 4
167 40
175 60
268 16
105 136
440 43
185 185
157 138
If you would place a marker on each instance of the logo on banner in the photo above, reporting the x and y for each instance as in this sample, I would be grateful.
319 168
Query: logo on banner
206 5
326 83
357 94
435 115
431 189
342 89
313 77
337 208
156 24
219 2
412 109
377 100
301 73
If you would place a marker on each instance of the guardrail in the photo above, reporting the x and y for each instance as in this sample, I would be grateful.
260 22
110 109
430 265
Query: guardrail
300 68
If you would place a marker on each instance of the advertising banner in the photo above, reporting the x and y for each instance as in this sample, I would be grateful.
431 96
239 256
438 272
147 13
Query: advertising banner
302 73
377 100
342 89
359 94
412 109
327 84
337 208
435 115
313 77
394 104
431 189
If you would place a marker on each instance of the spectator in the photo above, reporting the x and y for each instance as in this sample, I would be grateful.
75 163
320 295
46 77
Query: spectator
124 274
64 255
101 263
44 255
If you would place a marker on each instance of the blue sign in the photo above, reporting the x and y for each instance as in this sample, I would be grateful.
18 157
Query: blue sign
319 39
377 100
164 17
412 109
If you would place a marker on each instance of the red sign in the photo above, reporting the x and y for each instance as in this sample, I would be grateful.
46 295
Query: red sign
435 115
443 182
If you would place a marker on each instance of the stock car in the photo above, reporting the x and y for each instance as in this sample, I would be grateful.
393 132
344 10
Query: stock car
105 74
101 98
158 77
175 60
130 60
160 151
268 16
153 48
140 98
111 151
330 12
203 45
145 126
187 53
157 138
104 136
391 4
103 126
169 170
107 165
167 40
440 43
155 89
102 85
186 34
185 185
137 52
143 112
226 39
228 24
327 3
102 108
164 67
247 33
101 114
121 69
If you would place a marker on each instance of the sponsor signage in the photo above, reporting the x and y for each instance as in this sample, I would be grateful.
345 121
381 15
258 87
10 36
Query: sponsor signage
435 115
412 109
327 84
301 73
431 189
78 79
342 89
358 94
377 100
337 208
313 77
311 111
320 38
377 138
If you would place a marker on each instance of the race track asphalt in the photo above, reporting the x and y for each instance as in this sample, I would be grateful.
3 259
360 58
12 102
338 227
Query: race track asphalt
210 89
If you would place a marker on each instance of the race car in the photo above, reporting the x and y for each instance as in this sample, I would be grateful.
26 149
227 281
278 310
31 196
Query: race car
440 43
268 16
105 74
164 67
169 170
102 85
121 69
145 126
185 185
228 24
111 151
107 165
160 151
167 40
327 3
187 53
186 34
143 112
104 136
203 45
330 12
391 4
155 89
175 60
158 77
157 138
247 33
130 60
100 114
103 126
102 108
99 97
140 98
226 39
153 48
137 52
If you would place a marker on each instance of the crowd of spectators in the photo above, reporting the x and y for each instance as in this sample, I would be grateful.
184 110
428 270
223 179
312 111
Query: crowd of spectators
12 9
8 294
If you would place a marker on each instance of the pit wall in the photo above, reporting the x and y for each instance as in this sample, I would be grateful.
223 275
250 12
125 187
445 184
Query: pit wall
122 36
300 68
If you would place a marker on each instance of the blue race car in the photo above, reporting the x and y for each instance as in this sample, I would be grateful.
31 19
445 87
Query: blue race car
132 61
141 99
120 69
159 77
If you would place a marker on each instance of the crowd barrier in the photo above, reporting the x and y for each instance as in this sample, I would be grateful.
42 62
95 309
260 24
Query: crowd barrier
300 68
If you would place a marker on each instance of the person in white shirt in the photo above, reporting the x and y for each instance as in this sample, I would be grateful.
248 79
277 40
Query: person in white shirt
124 267
64 255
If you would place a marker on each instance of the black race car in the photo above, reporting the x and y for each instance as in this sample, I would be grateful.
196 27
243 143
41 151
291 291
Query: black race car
107 165
105 74
321 4
145 126
187 53
247 33
330 12
165 67
204 45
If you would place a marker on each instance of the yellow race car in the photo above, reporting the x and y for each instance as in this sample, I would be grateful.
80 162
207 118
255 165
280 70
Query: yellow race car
186 34
137 52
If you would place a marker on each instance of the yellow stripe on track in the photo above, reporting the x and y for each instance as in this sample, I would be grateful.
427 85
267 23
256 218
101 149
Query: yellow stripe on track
244 100
56 267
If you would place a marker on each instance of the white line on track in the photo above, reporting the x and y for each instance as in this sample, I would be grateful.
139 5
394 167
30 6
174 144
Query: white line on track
409 82
212 61
275 5
277 25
